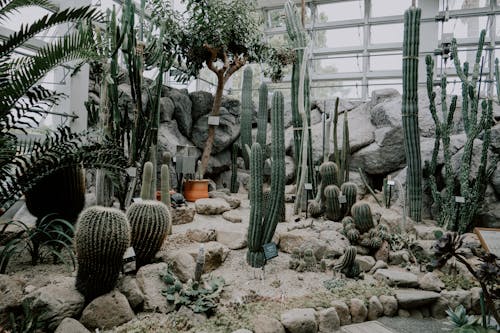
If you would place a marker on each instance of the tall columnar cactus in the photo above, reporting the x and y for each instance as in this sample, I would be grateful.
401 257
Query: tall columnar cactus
149 223
350 191
261 231
147 176
101 239
262 115
409 112
165 180
471 187
341 156
333 208
234 186
362 215
255 255
246 113
267 199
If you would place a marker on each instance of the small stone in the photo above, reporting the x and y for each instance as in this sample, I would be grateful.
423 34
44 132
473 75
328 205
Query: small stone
70 325
378 265
342 312
182 215
427 232
265 324
382 253
375 308
128 286
414 298
403 313
438 309
182 264
211 206
396 278
365 262
358 310
234 240
233 201
300 321
201 235
430 281
328 320
399 257
107 311
149 280
232 216
389 304
416 313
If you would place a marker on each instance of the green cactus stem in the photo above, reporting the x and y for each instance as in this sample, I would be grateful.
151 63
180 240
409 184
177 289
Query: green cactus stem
362 216
333 208
409 112
262 115
329 176
101 239
255 254
350 191
147 176
246 112
165 180
348 264
314 209
235 185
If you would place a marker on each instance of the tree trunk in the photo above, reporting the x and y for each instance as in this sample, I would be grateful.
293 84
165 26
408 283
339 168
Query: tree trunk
211 128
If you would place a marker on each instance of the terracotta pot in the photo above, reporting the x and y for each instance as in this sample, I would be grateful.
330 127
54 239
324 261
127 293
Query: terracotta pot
195 189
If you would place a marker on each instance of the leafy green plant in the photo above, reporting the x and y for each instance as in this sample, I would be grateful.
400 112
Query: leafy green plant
194 295
51 236
27 321
463 323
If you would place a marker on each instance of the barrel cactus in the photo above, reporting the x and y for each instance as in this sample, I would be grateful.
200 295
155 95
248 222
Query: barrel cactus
348 264
101 239
349 229
328 172
362 215
350 191
149 223
314 208
333 208
375 237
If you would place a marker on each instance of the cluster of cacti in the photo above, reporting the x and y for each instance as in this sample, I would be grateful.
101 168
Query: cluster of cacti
306 261
246 113
235 185
471 188
349 229
149 222
375 237
409 112
359 229
261 230
101 239
348 264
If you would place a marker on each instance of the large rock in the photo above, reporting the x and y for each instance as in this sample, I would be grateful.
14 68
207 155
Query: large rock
233 201
169 137
215 254
375 308
151 284
211 206
456 160
226 132
457 297
70 325
182 215
430 281
495 179
11 293
389 304
342 311
232 216
382 95
202 102
366 263
107 311
328 320
413 298
396 278
328 243
201 235
128 286
218 163
265 324
358 310
300 321
234 240
56 301
182 264
182 110
167 108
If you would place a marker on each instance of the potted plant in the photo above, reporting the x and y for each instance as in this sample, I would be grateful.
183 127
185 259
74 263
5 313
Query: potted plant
196 188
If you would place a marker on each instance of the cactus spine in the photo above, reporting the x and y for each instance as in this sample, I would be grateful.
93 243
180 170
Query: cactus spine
259 232
255 256
409 112
350 191
262 115
101 239
246 113
333 208
362 215
149 223
234 186
314 208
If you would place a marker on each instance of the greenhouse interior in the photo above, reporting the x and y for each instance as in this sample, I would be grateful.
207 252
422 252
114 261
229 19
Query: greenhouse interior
243 166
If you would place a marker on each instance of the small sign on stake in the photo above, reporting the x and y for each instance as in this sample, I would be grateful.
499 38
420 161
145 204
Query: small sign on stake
391 183
137 199
213 120
308 186
460 200
342 199
129 265
174 159
270 251
132 171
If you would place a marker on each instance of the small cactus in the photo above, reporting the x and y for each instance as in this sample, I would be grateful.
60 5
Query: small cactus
362 215
333 209
350 191
348 264
101 239
329 176
314 209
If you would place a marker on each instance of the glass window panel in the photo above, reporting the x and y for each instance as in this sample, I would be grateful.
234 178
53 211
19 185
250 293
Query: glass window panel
345 64
278 40
331 89
388 7
384 61
463 4
387 33
464 27
276 18
339 37
25 15
384 84
339 11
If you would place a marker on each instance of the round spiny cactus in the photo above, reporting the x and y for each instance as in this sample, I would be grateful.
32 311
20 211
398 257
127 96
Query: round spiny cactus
362 215
314 208
333 208
328 172
101 239
350 191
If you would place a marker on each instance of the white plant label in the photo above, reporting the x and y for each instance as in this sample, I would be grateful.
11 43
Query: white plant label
391 183
214 120
308 186
342 199
459 199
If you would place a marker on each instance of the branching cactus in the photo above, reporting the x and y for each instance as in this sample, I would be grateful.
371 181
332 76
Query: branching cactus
328 172
246 112
262 115
101 239
333 208
409 112
350 191
362 215
149 223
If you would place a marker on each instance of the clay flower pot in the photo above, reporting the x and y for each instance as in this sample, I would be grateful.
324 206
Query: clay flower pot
195 189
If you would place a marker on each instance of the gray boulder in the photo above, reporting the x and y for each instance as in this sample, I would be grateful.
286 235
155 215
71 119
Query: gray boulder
300 321
202 102
265 324
70 325
107 311
414 298
167 108
149 280
182 110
